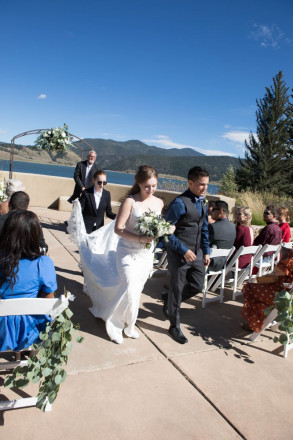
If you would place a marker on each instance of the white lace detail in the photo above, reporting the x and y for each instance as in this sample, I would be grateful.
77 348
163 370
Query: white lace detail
76 227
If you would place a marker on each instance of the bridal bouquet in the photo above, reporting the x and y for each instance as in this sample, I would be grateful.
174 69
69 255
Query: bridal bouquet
55 139
155 225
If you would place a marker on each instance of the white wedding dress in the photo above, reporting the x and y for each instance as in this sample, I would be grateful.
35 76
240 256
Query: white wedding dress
115 270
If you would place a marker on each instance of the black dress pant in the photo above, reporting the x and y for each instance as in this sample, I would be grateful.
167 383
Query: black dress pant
181 271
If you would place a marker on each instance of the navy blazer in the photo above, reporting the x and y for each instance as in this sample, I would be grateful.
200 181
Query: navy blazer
91 215
79 177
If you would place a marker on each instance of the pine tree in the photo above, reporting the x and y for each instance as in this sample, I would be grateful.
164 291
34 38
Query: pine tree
228 185
266 166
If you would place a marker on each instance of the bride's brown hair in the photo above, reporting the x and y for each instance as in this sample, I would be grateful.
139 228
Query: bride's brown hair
144 173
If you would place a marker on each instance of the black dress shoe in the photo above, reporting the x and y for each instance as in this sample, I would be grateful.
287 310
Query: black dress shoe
165 305
177 335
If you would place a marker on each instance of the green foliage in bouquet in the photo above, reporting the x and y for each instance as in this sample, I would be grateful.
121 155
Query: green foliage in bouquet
56 139
153 225
284 304
46 366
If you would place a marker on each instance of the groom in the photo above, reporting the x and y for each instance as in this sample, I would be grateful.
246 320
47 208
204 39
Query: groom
188 248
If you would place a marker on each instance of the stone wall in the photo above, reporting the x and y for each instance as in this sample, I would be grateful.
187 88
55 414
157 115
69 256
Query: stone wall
53 192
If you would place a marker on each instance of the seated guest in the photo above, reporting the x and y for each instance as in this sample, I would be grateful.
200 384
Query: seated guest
271 233
259 296
12 185
222 233
95 202
24 273
244 233
21 200
283 219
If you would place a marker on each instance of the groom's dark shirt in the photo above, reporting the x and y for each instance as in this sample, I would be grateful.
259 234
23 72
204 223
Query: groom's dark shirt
176 210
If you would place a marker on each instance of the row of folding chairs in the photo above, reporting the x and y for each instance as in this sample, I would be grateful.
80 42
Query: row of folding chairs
236 275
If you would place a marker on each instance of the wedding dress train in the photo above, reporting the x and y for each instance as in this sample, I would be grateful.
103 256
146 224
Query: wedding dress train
115 270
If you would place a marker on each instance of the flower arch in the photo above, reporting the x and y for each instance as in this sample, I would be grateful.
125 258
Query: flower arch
50 139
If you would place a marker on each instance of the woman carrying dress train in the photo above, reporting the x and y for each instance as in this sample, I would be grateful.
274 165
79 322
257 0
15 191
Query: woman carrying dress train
116 263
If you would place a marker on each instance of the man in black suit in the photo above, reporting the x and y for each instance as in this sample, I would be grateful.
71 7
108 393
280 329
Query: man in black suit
95 202
83 175
222 233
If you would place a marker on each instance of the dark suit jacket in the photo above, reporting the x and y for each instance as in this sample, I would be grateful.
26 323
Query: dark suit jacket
222 235
79 177
90 214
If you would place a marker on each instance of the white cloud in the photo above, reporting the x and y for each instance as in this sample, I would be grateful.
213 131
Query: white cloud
42 96
2 131
165 142
269 36
236 136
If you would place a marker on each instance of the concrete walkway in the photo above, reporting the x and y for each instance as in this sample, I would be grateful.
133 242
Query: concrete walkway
218 386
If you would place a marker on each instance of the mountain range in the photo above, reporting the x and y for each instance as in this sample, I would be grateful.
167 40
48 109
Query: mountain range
127 156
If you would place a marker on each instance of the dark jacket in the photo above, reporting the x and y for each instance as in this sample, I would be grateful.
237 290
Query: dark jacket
222 236
79 177
91 215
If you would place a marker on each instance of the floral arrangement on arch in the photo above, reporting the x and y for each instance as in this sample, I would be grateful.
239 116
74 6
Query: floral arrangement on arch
56 139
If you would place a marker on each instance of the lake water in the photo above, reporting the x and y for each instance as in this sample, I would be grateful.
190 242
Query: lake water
63 171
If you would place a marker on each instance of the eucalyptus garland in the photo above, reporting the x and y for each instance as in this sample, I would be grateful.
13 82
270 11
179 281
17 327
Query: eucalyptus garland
284 305
56 139
46 366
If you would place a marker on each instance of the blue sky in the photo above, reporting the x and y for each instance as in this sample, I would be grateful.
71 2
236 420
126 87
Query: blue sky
171 73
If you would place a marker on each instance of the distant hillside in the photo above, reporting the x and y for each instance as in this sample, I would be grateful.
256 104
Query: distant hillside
134 148
127 156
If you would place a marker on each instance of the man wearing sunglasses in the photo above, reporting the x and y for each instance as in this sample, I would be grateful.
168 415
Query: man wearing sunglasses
95 202
271 233
83 175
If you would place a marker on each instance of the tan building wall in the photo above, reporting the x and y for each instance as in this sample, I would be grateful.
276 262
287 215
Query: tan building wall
53 192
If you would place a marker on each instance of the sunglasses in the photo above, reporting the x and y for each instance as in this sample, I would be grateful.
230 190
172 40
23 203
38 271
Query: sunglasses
102 182
267 212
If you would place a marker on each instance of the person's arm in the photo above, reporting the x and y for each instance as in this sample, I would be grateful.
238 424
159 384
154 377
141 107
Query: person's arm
173 214
77 176
122 217
82 201
109 212
205 239
47 278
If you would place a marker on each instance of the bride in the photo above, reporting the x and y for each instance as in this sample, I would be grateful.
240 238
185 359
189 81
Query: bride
114 260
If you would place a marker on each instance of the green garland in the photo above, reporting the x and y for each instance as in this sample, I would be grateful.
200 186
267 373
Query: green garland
284 305
46 366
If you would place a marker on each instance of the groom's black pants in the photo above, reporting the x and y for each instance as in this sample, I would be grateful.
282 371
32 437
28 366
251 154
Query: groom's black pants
181 271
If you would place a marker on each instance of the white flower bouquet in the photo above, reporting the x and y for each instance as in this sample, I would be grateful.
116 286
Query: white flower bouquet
56 139
152 224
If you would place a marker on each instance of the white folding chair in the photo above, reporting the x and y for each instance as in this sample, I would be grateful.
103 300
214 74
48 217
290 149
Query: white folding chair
255 252
242 274
28 306
267 324
212 275
266 267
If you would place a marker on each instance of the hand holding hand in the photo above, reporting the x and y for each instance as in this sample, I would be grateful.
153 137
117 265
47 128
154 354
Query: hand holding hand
189 256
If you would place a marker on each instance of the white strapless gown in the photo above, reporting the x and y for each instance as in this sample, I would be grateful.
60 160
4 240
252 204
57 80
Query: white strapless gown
115 270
